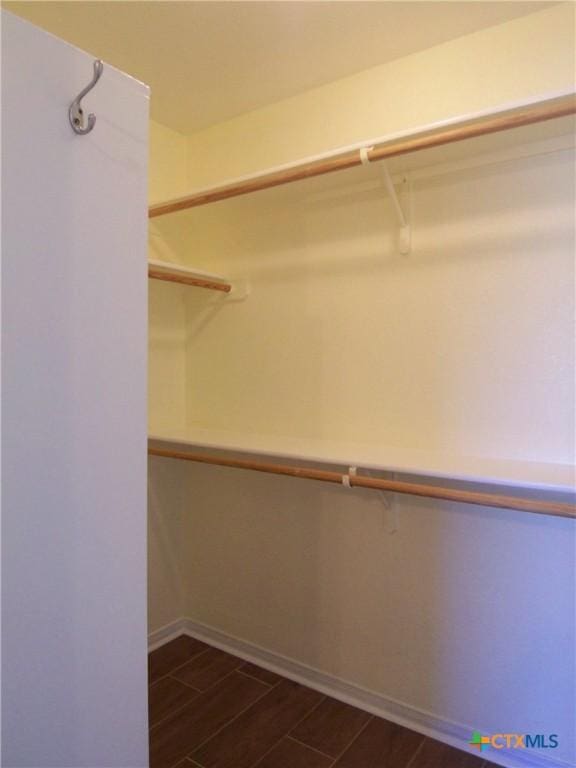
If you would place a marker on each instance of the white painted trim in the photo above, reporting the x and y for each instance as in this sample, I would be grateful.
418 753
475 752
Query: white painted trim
446 731
166 633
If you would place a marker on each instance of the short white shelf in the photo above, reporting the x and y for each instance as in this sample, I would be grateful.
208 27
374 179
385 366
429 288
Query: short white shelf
163 270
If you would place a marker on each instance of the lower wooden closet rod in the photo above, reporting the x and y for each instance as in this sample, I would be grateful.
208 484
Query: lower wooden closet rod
538 506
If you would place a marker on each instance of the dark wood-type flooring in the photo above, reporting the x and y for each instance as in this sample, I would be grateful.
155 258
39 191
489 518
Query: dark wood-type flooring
209 709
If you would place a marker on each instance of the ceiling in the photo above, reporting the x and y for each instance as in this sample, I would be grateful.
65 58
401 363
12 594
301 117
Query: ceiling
209 61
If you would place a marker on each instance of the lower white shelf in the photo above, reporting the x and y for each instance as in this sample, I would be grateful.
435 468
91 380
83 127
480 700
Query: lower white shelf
549 477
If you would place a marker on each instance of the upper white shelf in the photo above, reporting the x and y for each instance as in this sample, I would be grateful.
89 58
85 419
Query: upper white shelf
163 270
506 128
491 471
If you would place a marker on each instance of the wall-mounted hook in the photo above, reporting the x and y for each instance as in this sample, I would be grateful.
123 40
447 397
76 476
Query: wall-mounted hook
76 113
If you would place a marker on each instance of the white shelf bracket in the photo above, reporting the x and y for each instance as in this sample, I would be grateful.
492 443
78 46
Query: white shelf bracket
405 234
389 500
390 503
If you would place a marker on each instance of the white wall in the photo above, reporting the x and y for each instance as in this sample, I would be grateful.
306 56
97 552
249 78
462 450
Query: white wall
74 295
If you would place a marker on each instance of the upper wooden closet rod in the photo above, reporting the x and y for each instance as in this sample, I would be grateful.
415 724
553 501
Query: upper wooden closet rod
502 121
539 506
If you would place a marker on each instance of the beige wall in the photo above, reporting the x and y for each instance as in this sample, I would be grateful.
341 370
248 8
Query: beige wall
464 346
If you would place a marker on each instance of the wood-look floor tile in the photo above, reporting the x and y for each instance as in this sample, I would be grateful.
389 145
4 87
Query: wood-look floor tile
264 675
291 754
246 740
180 733
331 727
381 745
166 696
164 660
434 754
206 669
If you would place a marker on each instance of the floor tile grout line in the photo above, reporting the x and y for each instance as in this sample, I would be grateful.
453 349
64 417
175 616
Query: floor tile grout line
186 684
272 748
192 763
196 656
192 658
153 727
236 669
414 756
228 722
287 734
323 698
175 712
303 744
353 739
307 715
360 732
270 685
241 663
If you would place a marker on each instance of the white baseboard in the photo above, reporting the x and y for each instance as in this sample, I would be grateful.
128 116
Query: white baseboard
166 633
446 731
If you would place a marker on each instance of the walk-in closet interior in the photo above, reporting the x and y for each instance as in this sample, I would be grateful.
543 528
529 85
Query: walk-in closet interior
361 377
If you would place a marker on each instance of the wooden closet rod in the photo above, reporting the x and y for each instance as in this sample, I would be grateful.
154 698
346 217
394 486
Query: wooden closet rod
515 118
199 282
538 506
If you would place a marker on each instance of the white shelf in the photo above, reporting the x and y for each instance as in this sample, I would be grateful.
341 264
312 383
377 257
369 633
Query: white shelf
491 471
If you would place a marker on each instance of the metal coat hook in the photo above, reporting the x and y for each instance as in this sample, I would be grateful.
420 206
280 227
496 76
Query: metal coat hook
76 113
